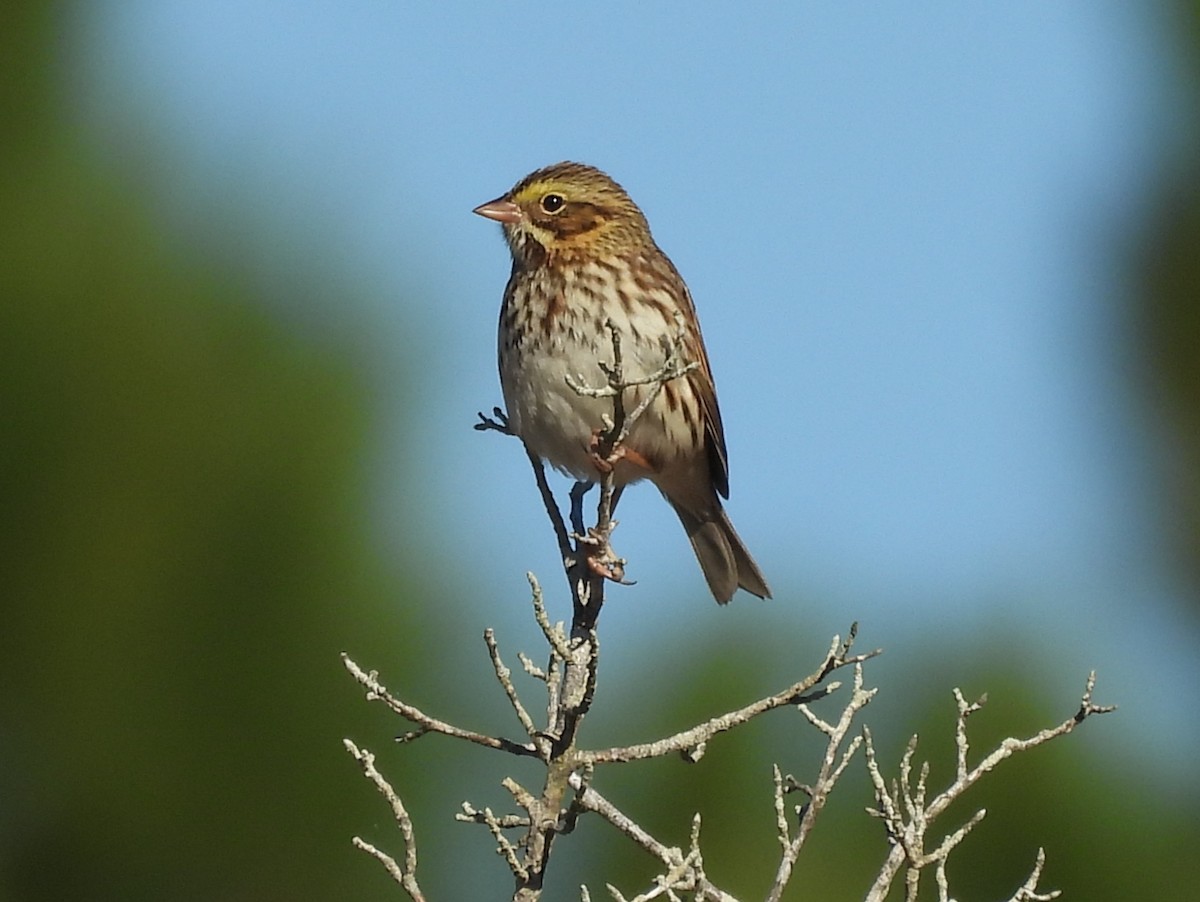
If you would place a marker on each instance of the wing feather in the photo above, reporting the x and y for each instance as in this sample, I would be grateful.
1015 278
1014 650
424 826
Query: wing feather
704 388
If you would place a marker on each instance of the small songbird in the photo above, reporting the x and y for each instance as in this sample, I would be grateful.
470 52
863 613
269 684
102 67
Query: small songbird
583 257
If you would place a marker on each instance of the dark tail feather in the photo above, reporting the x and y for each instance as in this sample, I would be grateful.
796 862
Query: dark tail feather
726 563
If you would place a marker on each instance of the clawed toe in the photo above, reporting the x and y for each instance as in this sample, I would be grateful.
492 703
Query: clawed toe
498 422
604 463
600 559
608 569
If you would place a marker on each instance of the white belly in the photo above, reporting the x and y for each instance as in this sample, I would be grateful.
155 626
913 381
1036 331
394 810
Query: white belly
555 421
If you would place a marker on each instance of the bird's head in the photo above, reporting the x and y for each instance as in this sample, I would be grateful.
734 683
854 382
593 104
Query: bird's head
567 211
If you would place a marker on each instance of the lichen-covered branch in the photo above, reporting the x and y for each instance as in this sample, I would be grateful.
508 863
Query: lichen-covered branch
692 741
838 754
566 685
908 813
406 874
684 872
376 691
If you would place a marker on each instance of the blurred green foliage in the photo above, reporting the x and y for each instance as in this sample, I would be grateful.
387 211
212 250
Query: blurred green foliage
1169 325
186 547
1166 315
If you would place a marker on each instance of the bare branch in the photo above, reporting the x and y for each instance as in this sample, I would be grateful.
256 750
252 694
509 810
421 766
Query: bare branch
554 633
684 872
1011 746
908 821
531 668
504 676
698 735
837 757
590 800
471 815
504 848
376 691
406 874
1028 891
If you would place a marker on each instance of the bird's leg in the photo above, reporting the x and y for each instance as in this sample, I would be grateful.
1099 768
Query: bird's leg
578 490
603 561
600 558
605 457
593 542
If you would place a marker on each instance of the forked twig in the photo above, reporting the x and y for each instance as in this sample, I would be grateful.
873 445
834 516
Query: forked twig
907 812
406 874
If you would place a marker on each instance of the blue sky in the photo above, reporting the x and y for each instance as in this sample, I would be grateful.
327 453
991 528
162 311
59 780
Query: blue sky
900 229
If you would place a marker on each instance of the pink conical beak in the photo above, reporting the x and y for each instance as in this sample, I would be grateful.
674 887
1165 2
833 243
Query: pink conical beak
501 210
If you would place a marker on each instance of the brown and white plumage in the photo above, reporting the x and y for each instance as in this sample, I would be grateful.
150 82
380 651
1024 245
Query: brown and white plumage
583 256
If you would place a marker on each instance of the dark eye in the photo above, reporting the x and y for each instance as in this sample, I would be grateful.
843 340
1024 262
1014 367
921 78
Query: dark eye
552 203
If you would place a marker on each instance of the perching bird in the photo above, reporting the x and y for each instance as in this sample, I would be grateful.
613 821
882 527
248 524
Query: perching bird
583 256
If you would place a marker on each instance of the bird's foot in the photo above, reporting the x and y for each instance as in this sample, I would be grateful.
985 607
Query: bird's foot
600 558
498 422
605 459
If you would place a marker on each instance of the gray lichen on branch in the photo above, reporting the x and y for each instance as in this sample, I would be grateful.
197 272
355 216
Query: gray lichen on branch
907 811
